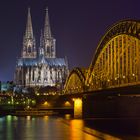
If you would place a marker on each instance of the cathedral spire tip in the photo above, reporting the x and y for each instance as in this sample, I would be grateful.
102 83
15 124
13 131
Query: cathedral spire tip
47 29
29 30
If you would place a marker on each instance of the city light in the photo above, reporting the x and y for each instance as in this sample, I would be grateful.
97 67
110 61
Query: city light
67 104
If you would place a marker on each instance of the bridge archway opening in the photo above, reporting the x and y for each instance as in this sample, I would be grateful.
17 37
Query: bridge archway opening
75 82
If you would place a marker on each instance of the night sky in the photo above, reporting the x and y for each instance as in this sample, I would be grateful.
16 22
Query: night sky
77 25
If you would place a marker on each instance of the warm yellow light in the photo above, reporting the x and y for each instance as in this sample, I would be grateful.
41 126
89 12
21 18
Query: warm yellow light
46 103
77 108
123 76
78 103
46 117
37 94
73 99
67 116
67 103
28 118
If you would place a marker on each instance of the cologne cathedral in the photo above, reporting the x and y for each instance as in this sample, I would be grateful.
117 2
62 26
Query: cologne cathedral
39 66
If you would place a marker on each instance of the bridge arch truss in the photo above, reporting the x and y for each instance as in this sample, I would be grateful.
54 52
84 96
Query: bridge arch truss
75 82
117 58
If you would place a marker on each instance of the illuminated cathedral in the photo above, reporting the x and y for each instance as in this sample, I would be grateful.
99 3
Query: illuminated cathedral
40 66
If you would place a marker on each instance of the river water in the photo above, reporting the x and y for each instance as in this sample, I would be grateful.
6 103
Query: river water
56 128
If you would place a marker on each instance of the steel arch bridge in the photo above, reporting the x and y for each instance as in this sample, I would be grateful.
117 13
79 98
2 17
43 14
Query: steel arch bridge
116 62
76 81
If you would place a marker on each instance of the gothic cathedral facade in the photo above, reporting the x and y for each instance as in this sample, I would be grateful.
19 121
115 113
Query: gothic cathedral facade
40 66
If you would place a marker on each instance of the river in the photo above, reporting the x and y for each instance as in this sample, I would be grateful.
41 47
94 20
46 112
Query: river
57 128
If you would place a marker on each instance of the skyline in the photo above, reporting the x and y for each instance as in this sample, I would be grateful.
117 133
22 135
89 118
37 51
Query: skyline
75 26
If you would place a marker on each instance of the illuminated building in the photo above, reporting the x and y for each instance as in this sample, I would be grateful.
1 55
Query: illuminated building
42 67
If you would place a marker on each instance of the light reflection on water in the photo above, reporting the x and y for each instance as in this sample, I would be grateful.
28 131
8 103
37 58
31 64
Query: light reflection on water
48 128
91 134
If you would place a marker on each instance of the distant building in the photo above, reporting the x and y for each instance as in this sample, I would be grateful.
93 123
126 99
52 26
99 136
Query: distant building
40 67
6 86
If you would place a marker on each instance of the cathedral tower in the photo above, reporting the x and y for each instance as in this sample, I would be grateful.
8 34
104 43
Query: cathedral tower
45 70
48 41
29 49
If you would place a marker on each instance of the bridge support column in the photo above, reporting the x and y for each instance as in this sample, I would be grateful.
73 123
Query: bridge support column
78 105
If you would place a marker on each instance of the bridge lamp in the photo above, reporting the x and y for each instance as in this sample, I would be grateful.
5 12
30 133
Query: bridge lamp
73 99
46 103
67 104
123 76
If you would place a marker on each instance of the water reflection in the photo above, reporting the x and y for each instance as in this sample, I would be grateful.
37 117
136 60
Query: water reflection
76 127
50 128
67 116
79 131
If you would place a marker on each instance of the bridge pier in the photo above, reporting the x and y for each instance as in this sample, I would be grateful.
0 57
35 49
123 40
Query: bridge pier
78 108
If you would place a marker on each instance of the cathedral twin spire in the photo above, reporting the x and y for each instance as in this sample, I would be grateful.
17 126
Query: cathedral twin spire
47 29
47 42
29 28
29 48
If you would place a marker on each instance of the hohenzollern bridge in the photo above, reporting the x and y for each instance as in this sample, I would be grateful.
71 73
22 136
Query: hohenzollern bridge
110 86
116 62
